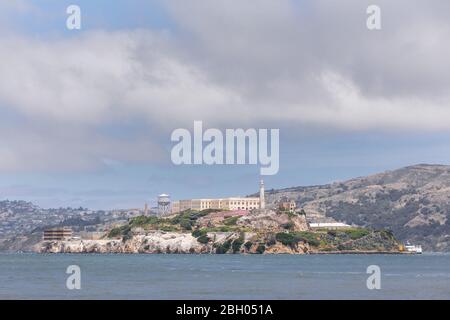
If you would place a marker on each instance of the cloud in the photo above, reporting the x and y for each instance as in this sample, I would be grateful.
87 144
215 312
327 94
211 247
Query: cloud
315 62
309 63
70 89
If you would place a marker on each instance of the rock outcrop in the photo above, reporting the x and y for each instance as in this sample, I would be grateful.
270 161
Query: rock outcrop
150 242
153 242
273 221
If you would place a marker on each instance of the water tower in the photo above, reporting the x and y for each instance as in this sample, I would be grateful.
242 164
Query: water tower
163 204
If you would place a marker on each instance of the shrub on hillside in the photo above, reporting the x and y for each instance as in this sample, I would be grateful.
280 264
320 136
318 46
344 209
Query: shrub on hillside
186 224
357 233
230 221
237 244
286 239
224 247
260 249
308 237
288 226
119 231
199 232
144 220
168 228
203 239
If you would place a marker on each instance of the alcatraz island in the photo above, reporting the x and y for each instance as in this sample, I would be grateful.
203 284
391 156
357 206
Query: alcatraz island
219 226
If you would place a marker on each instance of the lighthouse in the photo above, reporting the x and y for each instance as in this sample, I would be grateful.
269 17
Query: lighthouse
262 201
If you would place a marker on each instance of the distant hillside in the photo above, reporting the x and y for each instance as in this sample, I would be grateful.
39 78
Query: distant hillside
21 222
413 202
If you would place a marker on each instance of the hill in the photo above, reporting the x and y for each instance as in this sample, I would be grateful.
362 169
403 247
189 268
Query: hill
413 202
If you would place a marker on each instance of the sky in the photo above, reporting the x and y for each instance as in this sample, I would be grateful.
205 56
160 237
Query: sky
86 115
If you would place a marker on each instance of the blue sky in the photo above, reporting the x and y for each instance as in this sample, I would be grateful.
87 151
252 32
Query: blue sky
86 115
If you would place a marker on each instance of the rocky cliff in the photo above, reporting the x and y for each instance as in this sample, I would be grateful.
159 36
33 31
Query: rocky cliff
257 233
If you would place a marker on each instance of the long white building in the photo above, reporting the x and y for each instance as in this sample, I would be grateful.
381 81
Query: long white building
225 204
233 203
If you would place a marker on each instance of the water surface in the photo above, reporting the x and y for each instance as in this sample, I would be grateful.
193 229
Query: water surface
117 276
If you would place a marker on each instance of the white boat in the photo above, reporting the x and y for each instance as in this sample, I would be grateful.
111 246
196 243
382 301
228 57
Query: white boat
413 248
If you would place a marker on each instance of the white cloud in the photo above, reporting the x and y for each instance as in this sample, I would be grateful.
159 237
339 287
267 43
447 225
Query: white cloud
227 64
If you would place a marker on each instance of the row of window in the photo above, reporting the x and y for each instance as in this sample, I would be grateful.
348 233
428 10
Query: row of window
233 203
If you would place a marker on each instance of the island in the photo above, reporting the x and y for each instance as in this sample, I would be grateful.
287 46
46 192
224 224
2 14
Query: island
212 231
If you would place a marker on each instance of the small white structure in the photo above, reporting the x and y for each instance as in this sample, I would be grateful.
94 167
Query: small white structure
413 248
163 204
329 225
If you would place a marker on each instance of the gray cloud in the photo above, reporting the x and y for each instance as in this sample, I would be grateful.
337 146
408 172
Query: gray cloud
273 64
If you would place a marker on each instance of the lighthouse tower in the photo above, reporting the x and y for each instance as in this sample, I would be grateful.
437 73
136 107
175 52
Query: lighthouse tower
262 201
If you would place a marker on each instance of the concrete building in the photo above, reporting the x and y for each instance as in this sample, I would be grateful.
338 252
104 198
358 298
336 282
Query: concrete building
329 225
235 203
232 203
288 206
57 234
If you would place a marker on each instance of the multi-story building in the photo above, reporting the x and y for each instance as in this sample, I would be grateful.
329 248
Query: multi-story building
57 234
237 203
288 206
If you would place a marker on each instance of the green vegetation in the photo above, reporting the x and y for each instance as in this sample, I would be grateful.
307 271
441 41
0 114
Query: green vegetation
291 239
330 240
309 237
237 243
127 235
152 222
387 234
119 231
224 247
248 245
287 239
190 215
143 221
115 232
168 229
186 224
222 229
343 247
204 239
236 246
331 233
230 221
357 233
208 211
260 249
199 232
288 226
188 218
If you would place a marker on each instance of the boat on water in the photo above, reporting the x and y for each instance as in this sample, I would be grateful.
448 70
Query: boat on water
413 248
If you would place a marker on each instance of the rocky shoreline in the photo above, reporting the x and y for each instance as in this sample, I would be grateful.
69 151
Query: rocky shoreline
166 243
207 232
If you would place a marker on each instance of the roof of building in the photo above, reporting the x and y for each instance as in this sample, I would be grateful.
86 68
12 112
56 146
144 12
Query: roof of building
328 224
